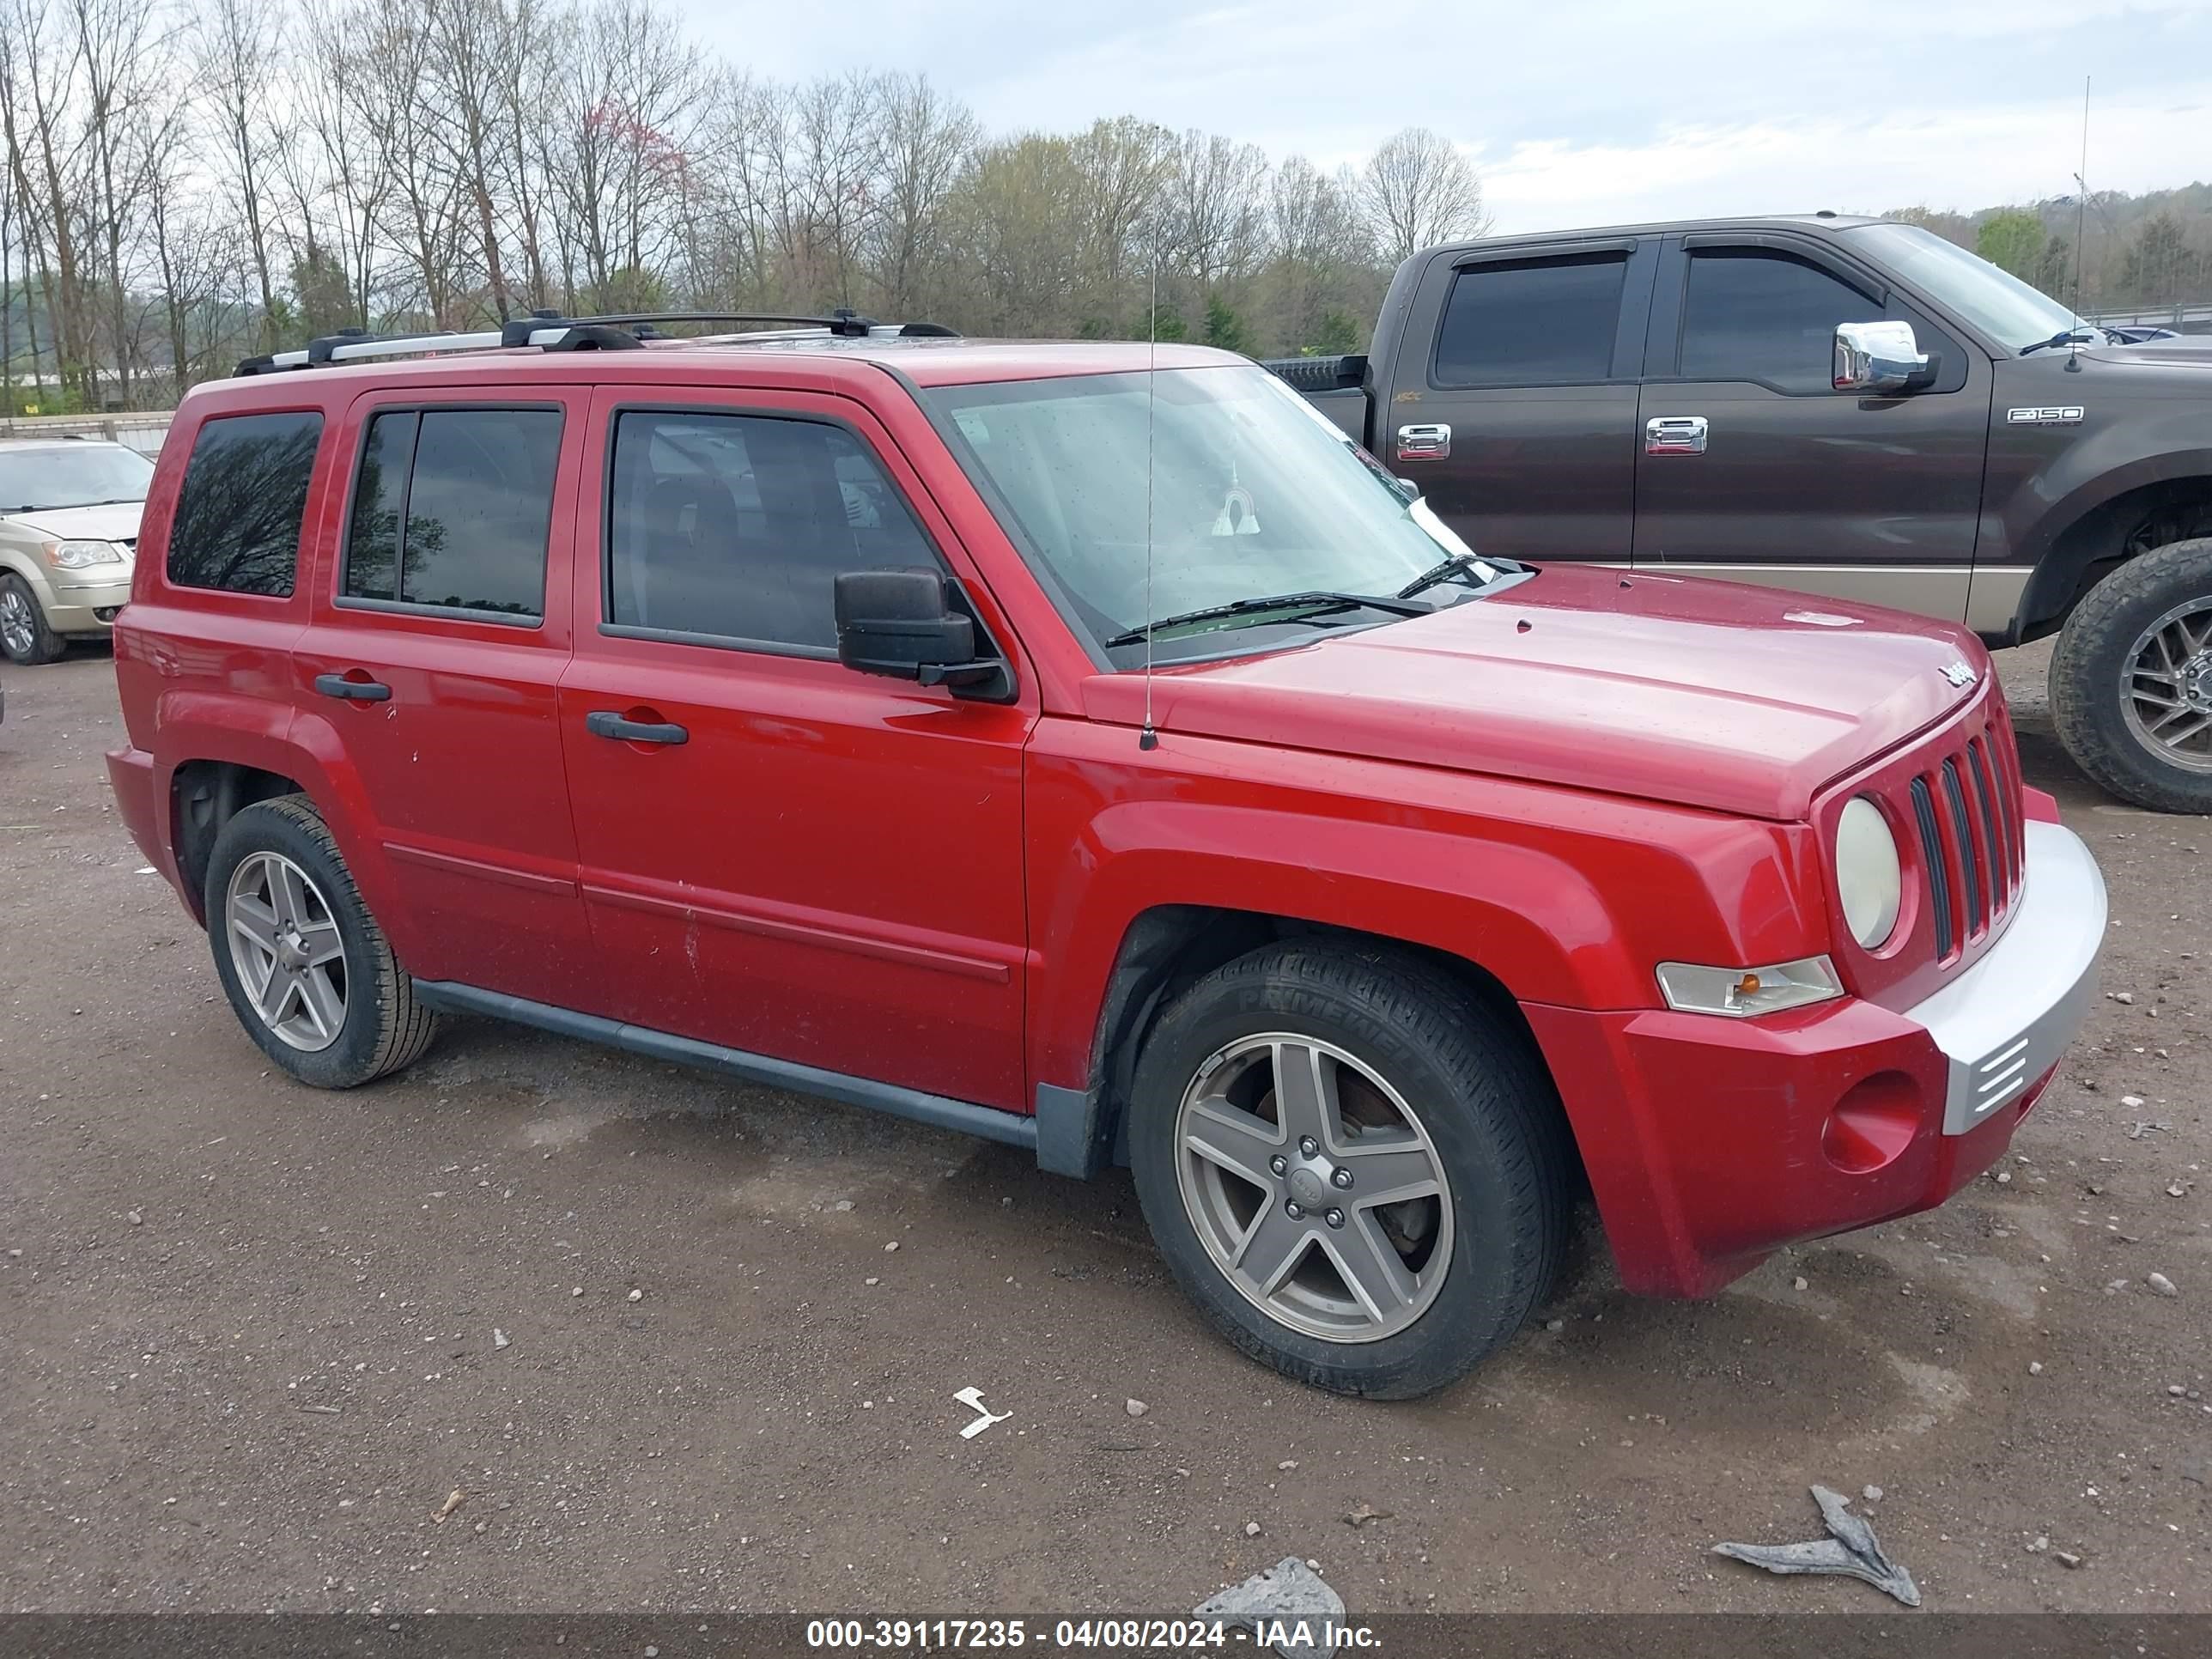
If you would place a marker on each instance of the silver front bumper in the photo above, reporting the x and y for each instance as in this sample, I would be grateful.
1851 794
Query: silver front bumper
2005 1021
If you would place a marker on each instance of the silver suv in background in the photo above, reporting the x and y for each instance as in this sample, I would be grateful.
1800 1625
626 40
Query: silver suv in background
69 540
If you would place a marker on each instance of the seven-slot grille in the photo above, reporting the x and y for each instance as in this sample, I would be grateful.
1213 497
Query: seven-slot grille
1964 813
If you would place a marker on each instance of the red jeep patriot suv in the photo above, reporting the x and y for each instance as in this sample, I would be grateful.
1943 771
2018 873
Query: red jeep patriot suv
1089 747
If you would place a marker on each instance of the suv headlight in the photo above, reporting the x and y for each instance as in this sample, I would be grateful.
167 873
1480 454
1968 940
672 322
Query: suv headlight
77 556
1867 874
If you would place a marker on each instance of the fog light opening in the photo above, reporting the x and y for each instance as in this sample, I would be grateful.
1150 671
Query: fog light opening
1874 1121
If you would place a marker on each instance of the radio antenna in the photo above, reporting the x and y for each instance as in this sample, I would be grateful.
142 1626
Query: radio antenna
2081 227
1150 737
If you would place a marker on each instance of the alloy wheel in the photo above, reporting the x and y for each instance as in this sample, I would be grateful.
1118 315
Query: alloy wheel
2166 687
18 628
285 944
1314 1188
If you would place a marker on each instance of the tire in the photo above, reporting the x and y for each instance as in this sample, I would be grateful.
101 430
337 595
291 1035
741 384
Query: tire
1381 1022
375 1026
2102 705
25 639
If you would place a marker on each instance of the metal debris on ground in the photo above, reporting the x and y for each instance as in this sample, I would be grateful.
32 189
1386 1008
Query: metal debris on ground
1289 1593
1851 1550
972 1399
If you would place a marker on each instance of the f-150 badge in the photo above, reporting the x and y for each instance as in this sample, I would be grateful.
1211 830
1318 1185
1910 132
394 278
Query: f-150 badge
2066 415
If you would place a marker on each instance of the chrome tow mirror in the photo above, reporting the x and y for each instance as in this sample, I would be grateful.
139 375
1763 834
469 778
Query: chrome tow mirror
1881 358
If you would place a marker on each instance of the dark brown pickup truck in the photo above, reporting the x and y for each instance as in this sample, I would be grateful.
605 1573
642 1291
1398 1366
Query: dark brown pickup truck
1846 406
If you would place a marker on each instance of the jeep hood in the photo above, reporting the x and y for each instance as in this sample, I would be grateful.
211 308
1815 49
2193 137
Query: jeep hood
1717 695
115 523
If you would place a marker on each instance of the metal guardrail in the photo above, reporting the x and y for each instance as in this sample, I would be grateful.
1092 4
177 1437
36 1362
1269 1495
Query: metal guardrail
2183 319
143 433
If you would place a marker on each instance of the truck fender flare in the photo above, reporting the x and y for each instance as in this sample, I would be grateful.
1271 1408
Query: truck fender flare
2092 481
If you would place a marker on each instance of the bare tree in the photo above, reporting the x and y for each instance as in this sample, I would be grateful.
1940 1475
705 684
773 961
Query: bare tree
923 140
236 69
1417 189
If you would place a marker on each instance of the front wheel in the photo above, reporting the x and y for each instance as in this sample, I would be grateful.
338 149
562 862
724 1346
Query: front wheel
24 636
2131 680
1355 1171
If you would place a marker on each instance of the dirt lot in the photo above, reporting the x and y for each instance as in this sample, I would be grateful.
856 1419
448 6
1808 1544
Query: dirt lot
250 1341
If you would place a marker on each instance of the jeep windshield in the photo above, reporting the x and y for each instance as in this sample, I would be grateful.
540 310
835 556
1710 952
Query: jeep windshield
70 475
1996 301
1265 523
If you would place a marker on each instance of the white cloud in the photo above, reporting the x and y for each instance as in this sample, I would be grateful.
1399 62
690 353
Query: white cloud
1582 111
1968 158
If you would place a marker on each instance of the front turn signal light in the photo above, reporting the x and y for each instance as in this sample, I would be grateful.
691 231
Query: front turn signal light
1741 993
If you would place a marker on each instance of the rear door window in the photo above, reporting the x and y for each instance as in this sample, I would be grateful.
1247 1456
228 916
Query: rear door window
452 509
1549 322
237 524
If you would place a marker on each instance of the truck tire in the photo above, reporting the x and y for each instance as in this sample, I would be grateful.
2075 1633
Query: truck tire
308 972
1359 1174
2131 680
24 636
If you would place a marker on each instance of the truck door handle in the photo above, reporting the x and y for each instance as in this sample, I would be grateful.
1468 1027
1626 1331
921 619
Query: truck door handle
1674 434
1424 443
606 723
351 691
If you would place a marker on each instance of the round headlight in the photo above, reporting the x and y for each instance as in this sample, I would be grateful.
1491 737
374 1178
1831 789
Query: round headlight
1866 873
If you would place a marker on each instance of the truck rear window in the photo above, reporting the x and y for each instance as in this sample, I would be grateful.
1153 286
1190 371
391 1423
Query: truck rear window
1530 322
237 527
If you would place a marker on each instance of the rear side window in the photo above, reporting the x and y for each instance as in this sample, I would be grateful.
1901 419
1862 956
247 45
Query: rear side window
453 509
237 524
737 525
1764 318
1527 323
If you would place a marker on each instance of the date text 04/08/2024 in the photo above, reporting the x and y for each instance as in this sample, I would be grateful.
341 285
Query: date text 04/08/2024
896 1635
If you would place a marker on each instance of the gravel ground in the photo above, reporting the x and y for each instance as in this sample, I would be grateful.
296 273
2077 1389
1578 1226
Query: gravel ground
254 1333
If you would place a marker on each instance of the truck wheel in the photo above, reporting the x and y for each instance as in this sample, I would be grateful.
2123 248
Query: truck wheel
1359 1176
24 636
306 969
2131 680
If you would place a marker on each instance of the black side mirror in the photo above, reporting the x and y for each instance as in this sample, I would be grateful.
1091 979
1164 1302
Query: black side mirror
901 624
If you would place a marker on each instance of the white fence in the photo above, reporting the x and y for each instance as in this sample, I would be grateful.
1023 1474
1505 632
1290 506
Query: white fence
143 432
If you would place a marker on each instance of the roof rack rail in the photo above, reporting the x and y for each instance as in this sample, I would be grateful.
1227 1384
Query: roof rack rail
548 331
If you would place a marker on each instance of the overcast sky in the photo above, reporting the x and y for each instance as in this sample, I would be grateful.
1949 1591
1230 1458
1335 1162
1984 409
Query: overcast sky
1581 111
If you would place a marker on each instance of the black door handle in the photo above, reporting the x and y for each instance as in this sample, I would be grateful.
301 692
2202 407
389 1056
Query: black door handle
338 685
606 723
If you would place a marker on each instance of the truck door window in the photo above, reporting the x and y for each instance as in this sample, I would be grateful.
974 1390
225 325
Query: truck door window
1529 322
735 526
452 510
1766 317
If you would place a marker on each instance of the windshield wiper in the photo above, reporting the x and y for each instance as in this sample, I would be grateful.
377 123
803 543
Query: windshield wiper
1313 603
2064 336
1472 568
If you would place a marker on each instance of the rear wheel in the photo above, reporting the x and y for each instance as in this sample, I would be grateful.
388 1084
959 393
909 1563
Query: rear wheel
308 972
2131 680
24 636
1356 1172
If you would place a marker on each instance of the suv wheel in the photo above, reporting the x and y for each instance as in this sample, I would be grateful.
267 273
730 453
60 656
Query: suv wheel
2131 680
1360 1176
24 636
308 970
